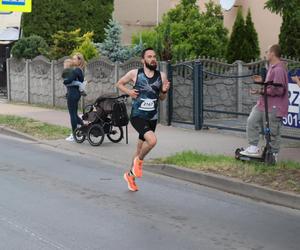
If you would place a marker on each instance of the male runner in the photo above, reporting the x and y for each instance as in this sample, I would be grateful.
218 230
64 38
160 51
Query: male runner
150 86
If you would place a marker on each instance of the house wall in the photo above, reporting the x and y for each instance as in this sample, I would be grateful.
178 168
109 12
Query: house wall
136 15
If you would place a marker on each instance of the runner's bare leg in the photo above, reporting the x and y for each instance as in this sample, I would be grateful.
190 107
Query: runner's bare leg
149 143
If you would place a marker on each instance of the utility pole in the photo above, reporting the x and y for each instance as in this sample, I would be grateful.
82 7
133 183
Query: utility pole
157 12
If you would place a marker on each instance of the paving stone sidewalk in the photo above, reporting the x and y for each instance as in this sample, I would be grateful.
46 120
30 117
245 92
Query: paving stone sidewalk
170 139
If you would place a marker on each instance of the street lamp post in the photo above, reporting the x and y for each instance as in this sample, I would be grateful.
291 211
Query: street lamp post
157 12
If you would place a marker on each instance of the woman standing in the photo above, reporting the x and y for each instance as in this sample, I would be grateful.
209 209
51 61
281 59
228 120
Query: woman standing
73 93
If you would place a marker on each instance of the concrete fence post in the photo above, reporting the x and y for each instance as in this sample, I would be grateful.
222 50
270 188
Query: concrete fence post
117 74
53 83
8 60
27 80
239 86
163 105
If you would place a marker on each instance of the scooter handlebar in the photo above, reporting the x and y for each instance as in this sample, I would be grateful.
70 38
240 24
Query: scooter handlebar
271 83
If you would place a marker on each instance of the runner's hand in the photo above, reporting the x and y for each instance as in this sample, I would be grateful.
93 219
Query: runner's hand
165 86
257 78
133 93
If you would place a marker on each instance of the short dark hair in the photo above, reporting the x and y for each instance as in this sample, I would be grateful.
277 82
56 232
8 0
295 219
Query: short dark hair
145 50
276 49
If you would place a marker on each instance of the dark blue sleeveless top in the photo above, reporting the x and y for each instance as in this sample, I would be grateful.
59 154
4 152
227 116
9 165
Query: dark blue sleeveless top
145 105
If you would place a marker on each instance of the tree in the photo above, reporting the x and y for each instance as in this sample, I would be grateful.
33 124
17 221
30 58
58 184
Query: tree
251 44
50 16
112 47
64 43
147 37
235 50
87 48
289 38
212 37
29 47
186 33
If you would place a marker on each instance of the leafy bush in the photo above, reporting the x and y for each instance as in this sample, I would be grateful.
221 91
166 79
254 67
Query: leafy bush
50 16
88 49
29 47
186 33
147 37
66 43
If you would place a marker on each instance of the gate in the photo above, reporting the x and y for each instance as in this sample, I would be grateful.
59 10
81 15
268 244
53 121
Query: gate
227 102
213 94
4 54
185 102
232 102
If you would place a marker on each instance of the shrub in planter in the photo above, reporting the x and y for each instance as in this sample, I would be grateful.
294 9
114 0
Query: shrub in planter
29 47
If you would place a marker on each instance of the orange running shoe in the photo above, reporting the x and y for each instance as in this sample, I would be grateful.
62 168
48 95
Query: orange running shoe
137 168
130 182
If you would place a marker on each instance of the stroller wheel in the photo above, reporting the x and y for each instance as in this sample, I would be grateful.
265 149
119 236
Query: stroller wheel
79 135
95 135
115 134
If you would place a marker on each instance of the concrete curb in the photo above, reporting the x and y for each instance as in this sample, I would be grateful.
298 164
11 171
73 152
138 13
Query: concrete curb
8 131
227 184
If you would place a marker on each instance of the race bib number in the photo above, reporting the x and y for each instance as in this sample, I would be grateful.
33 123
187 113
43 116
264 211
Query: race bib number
147 104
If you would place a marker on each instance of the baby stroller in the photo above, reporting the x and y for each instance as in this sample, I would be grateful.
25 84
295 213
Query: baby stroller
106 116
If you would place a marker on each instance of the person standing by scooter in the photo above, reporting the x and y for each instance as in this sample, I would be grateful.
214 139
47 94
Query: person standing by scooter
150 86
278 102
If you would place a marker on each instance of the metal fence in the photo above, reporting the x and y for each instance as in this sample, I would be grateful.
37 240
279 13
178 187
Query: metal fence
207 93
4 54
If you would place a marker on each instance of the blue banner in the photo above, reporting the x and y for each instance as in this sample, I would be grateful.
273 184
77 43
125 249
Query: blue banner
293 118
13 2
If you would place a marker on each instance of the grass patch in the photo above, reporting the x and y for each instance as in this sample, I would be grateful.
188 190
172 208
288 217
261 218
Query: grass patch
34 128
285 175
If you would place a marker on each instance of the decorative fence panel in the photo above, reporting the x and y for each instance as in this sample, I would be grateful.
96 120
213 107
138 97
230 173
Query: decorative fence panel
40 84
39 81
17 74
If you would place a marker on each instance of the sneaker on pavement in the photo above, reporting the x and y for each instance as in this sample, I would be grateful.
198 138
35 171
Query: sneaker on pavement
70 138
130 182
251 151
137 168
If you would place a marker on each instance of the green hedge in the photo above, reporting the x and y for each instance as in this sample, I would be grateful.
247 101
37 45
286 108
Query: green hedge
50 16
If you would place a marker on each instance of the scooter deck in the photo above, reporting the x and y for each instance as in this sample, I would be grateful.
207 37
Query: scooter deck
250 158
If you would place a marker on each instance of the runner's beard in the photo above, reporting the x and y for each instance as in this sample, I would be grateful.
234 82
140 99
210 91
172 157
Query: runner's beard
151 66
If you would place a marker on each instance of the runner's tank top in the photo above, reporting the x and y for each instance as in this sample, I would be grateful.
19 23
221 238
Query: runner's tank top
145 105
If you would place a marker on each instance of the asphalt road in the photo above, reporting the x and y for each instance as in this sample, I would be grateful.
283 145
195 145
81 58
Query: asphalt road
53 199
